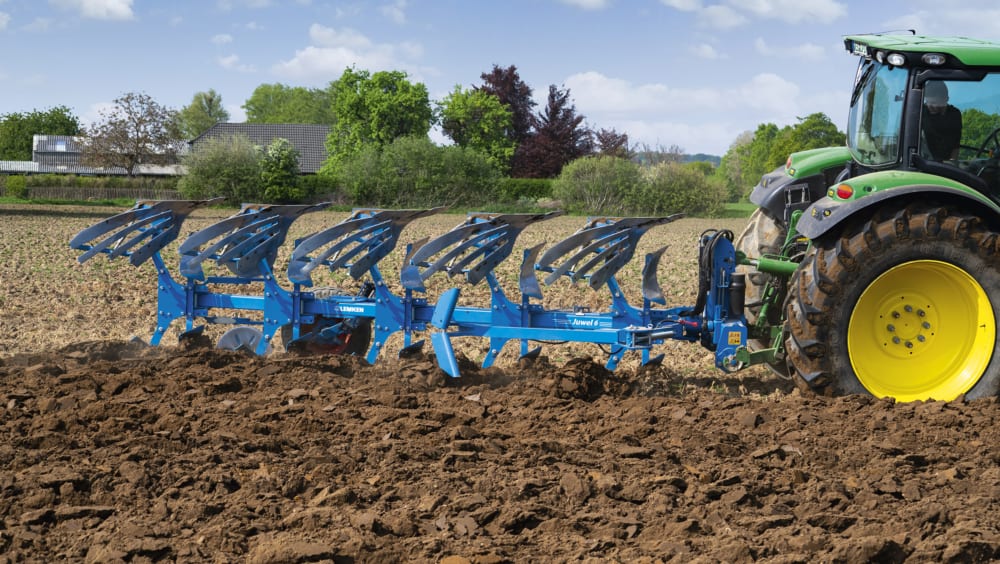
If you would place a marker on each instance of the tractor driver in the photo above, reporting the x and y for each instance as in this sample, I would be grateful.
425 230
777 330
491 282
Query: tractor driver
941 122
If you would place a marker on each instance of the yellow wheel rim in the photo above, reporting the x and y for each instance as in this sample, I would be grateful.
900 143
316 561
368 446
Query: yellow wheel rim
922 330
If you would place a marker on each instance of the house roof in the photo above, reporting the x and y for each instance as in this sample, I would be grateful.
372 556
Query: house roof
308 139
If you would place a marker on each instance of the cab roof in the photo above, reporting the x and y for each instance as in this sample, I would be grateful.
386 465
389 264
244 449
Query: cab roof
967 51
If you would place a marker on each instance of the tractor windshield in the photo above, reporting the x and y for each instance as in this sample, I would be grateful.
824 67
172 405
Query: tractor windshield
876 116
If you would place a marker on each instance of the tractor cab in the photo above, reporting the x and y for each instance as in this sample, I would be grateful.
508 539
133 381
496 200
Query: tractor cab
927 105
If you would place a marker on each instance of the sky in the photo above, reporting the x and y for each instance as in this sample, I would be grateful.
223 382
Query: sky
694 74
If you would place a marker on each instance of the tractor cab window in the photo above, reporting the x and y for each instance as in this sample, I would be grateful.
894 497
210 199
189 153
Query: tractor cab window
875 119
974 108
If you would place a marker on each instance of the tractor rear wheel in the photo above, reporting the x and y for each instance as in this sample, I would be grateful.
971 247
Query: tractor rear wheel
903 305
763 236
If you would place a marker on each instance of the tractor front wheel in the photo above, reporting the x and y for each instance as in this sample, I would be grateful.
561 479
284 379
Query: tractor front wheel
904 306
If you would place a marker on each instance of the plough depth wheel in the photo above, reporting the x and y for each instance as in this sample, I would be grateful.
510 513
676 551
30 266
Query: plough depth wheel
350 341
241 338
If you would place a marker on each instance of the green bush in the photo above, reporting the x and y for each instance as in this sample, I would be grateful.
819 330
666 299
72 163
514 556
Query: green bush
16 187
414 172
599 185
279 173
669 188
225 167
317 187
523 189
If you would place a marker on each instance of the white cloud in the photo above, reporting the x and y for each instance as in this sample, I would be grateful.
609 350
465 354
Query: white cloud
98 9
682 5
323 36
222 38
4 20
712 138
39 24
699 119
395 11
588 4
227 5
805 52
770 93
333 50
962 21
721 17
330 62
232 62
705 51
734 13
598 93
793 11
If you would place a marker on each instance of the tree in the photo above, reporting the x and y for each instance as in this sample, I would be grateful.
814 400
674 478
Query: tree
507 86
477 120
374 110
613 143
17 130
279 172
278 103
976 125
559 138
812 132
227 166
734 162
204 111
758 158
136 130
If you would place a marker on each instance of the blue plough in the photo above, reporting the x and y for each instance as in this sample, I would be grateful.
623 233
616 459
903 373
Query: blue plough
246 245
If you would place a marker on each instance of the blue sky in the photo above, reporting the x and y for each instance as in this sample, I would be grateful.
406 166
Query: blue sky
691 73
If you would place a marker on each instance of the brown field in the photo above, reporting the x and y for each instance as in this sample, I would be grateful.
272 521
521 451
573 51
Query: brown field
116 452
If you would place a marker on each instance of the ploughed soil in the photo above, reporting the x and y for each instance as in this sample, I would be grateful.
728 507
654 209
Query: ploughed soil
117 452
113 451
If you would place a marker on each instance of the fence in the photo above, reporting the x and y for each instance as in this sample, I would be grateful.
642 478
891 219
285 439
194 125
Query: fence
93 193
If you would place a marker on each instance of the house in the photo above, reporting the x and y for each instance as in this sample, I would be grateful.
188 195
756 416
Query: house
60 154
308 139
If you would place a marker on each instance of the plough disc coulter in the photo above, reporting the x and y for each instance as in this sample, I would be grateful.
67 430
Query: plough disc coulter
245 246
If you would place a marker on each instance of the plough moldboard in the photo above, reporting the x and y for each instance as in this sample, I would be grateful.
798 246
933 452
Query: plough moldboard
245 245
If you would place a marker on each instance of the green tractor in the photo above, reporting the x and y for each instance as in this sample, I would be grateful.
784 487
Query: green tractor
875 268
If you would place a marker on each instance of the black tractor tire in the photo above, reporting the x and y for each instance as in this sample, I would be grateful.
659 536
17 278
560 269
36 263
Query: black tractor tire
903 305
763 235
